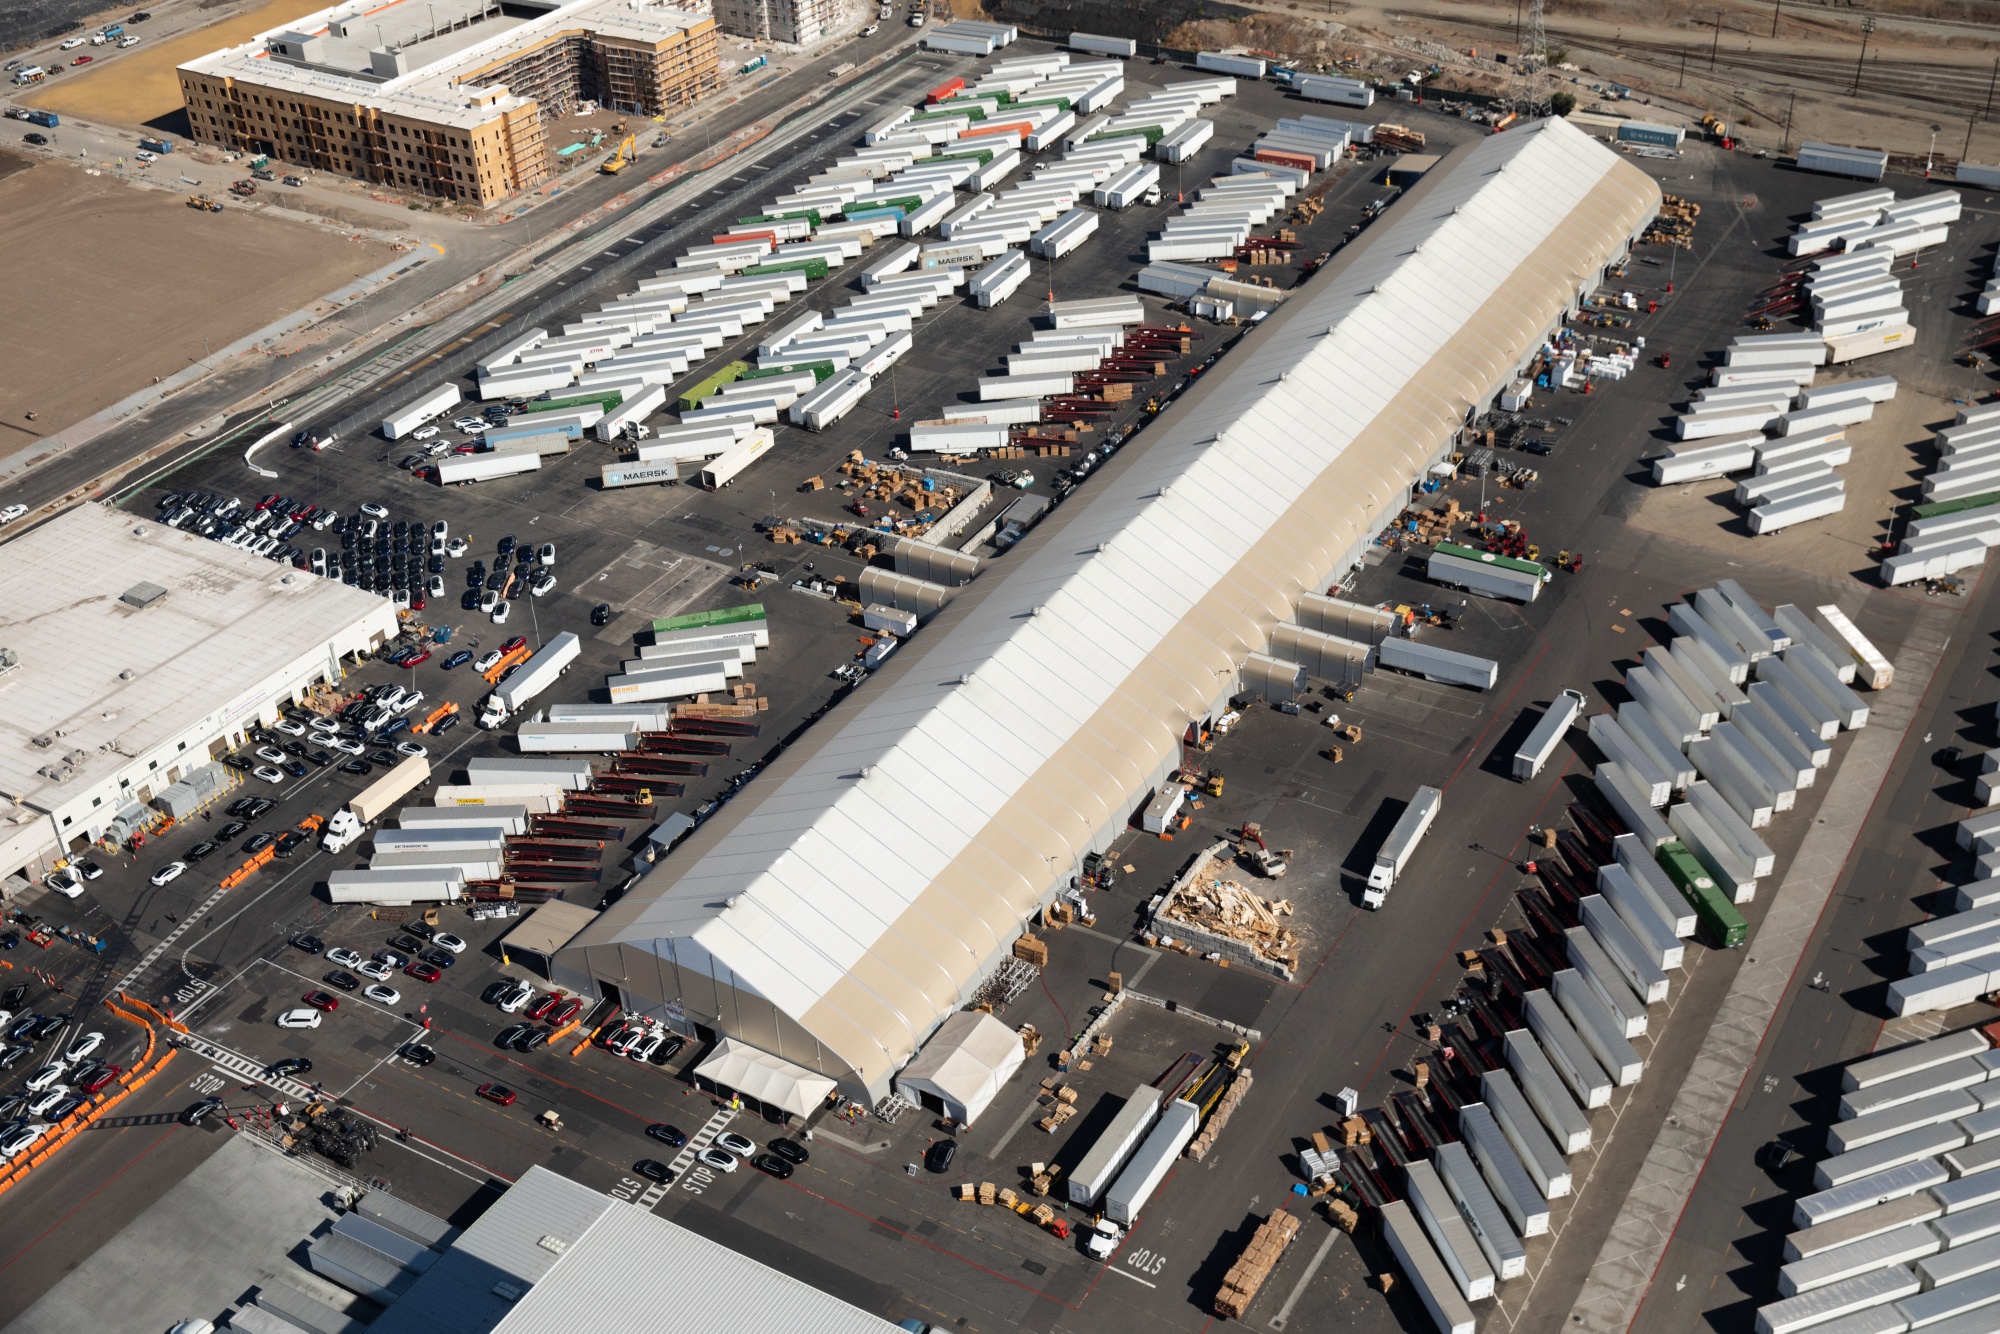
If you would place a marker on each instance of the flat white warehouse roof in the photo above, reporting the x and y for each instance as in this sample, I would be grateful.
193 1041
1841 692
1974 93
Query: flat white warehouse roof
125 633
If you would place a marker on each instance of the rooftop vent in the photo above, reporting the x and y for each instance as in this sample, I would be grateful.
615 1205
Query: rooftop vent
142 595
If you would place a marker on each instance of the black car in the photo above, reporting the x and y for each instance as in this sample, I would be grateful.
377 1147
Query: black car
343 979
444 724
438 958
772 1166
291 1065
1541 447
600 614
538 1037
320 757
258 842
416 1053
421 929
357 767
494 990
788 1150
1949 757
404 945
200 850
238 807
938 1157
506 545
469 600
653 1171
201 1111
46 1026
296 768
294 747
667 1051
385 758
289 841
1776 1156
230 830
671 1136
310 944
11 998
512 1034
84 1073
239 762
258 807
13 1055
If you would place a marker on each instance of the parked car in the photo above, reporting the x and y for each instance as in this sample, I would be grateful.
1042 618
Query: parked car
299 1019
319 1000
499 1093
169 873
671 1136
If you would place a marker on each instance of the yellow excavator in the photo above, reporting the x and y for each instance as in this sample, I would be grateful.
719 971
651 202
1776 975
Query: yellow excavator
618 160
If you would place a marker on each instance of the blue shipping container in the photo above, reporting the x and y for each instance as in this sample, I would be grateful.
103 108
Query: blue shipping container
1646 132
48 120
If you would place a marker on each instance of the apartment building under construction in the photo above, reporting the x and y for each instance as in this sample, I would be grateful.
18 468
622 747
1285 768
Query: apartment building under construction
797 22
445 97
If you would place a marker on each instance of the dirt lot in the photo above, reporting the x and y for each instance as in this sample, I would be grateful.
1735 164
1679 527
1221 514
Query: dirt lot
1892 452
139 87
113 287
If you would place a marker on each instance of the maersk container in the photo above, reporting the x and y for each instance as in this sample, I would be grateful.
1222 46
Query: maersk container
1599 1028
1547 735
612 476
831 401
1500 1168
1149 1166
457 469
1623 949
1572 1059
1531 1144
1424 1271
1438 1212
1437 664
433 404
1113 1146
1595 967
1649 922
1622 792
1545 1092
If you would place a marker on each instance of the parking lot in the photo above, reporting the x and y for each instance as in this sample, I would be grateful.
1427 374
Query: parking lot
862 1216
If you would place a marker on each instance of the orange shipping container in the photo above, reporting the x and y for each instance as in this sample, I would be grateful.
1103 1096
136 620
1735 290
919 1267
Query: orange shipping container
1025 127
1284 159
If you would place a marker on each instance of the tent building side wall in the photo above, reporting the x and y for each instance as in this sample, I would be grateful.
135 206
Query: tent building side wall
856 894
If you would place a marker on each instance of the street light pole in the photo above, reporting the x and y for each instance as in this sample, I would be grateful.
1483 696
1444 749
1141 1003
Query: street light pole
1867 26
1930 154
1716 45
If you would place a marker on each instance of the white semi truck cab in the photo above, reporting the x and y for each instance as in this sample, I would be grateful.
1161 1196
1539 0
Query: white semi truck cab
340 831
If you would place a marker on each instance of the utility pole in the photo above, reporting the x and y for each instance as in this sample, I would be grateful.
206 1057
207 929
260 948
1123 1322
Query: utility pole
1867 27
1930 154
1716 45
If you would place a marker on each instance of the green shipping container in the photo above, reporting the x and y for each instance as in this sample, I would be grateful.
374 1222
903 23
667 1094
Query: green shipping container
1978 502
980 155
809 214
729 374
1152 133
1713 912
822 371
814 267
608 400
1488 558
700 620
945 113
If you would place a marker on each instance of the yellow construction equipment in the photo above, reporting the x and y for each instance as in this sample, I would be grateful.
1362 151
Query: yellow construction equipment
618 160
204 203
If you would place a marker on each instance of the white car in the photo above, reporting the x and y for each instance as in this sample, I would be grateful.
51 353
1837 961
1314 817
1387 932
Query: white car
457 547
716 1159
63 883
44 1103
435 587
325 519
474 428
401 599
437 449
424 433
128 40
512 1002
409 701
290 727
12 512
382 995
71 43
646 1045
730 1142
440 530
547 554
169 873
343 958
487 602
375 511
270 754
346 745
373 969
84 1047
543 583
46 1077
268 774
144 156
410 749
500 610
18 1142
450 944
299 1019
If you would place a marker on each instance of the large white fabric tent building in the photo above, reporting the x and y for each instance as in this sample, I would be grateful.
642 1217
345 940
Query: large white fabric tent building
854 895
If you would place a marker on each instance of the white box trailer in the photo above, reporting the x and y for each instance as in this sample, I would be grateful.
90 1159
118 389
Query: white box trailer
1113 1146
1426 1274
958 437
1435 1209
1579 1070
1591 963
997 387
1544 1090
1123 47
723 469
885 354
998 281
458 469
632 412
1128 185
1327 88
527 383
827 404
1185 142
1501 1169
510 351
1149 1165
432 404
396 888
1240 67
1703 462
691 679
1065 234
1547 734
1015 412
1401 844
1644 976
1600 1030
1531 1144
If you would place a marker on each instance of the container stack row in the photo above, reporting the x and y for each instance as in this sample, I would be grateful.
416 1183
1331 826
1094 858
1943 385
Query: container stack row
1959 518
1857 303
1902 1229
1219 220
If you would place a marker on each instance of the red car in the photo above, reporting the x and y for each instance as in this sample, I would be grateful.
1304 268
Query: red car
499 1093
269 501
305 515
546 1006
465 449
567 1011
421 656
319 1000
83 60
518 641
424 972
101 1078
417 602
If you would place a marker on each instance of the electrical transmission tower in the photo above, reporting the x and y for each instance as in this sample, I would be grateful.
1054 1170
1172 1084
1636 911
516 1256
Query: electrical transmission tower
1529 95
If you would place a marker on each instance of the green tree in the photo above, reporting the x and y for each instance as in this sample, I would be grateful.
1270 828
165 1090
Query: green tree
1562 103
